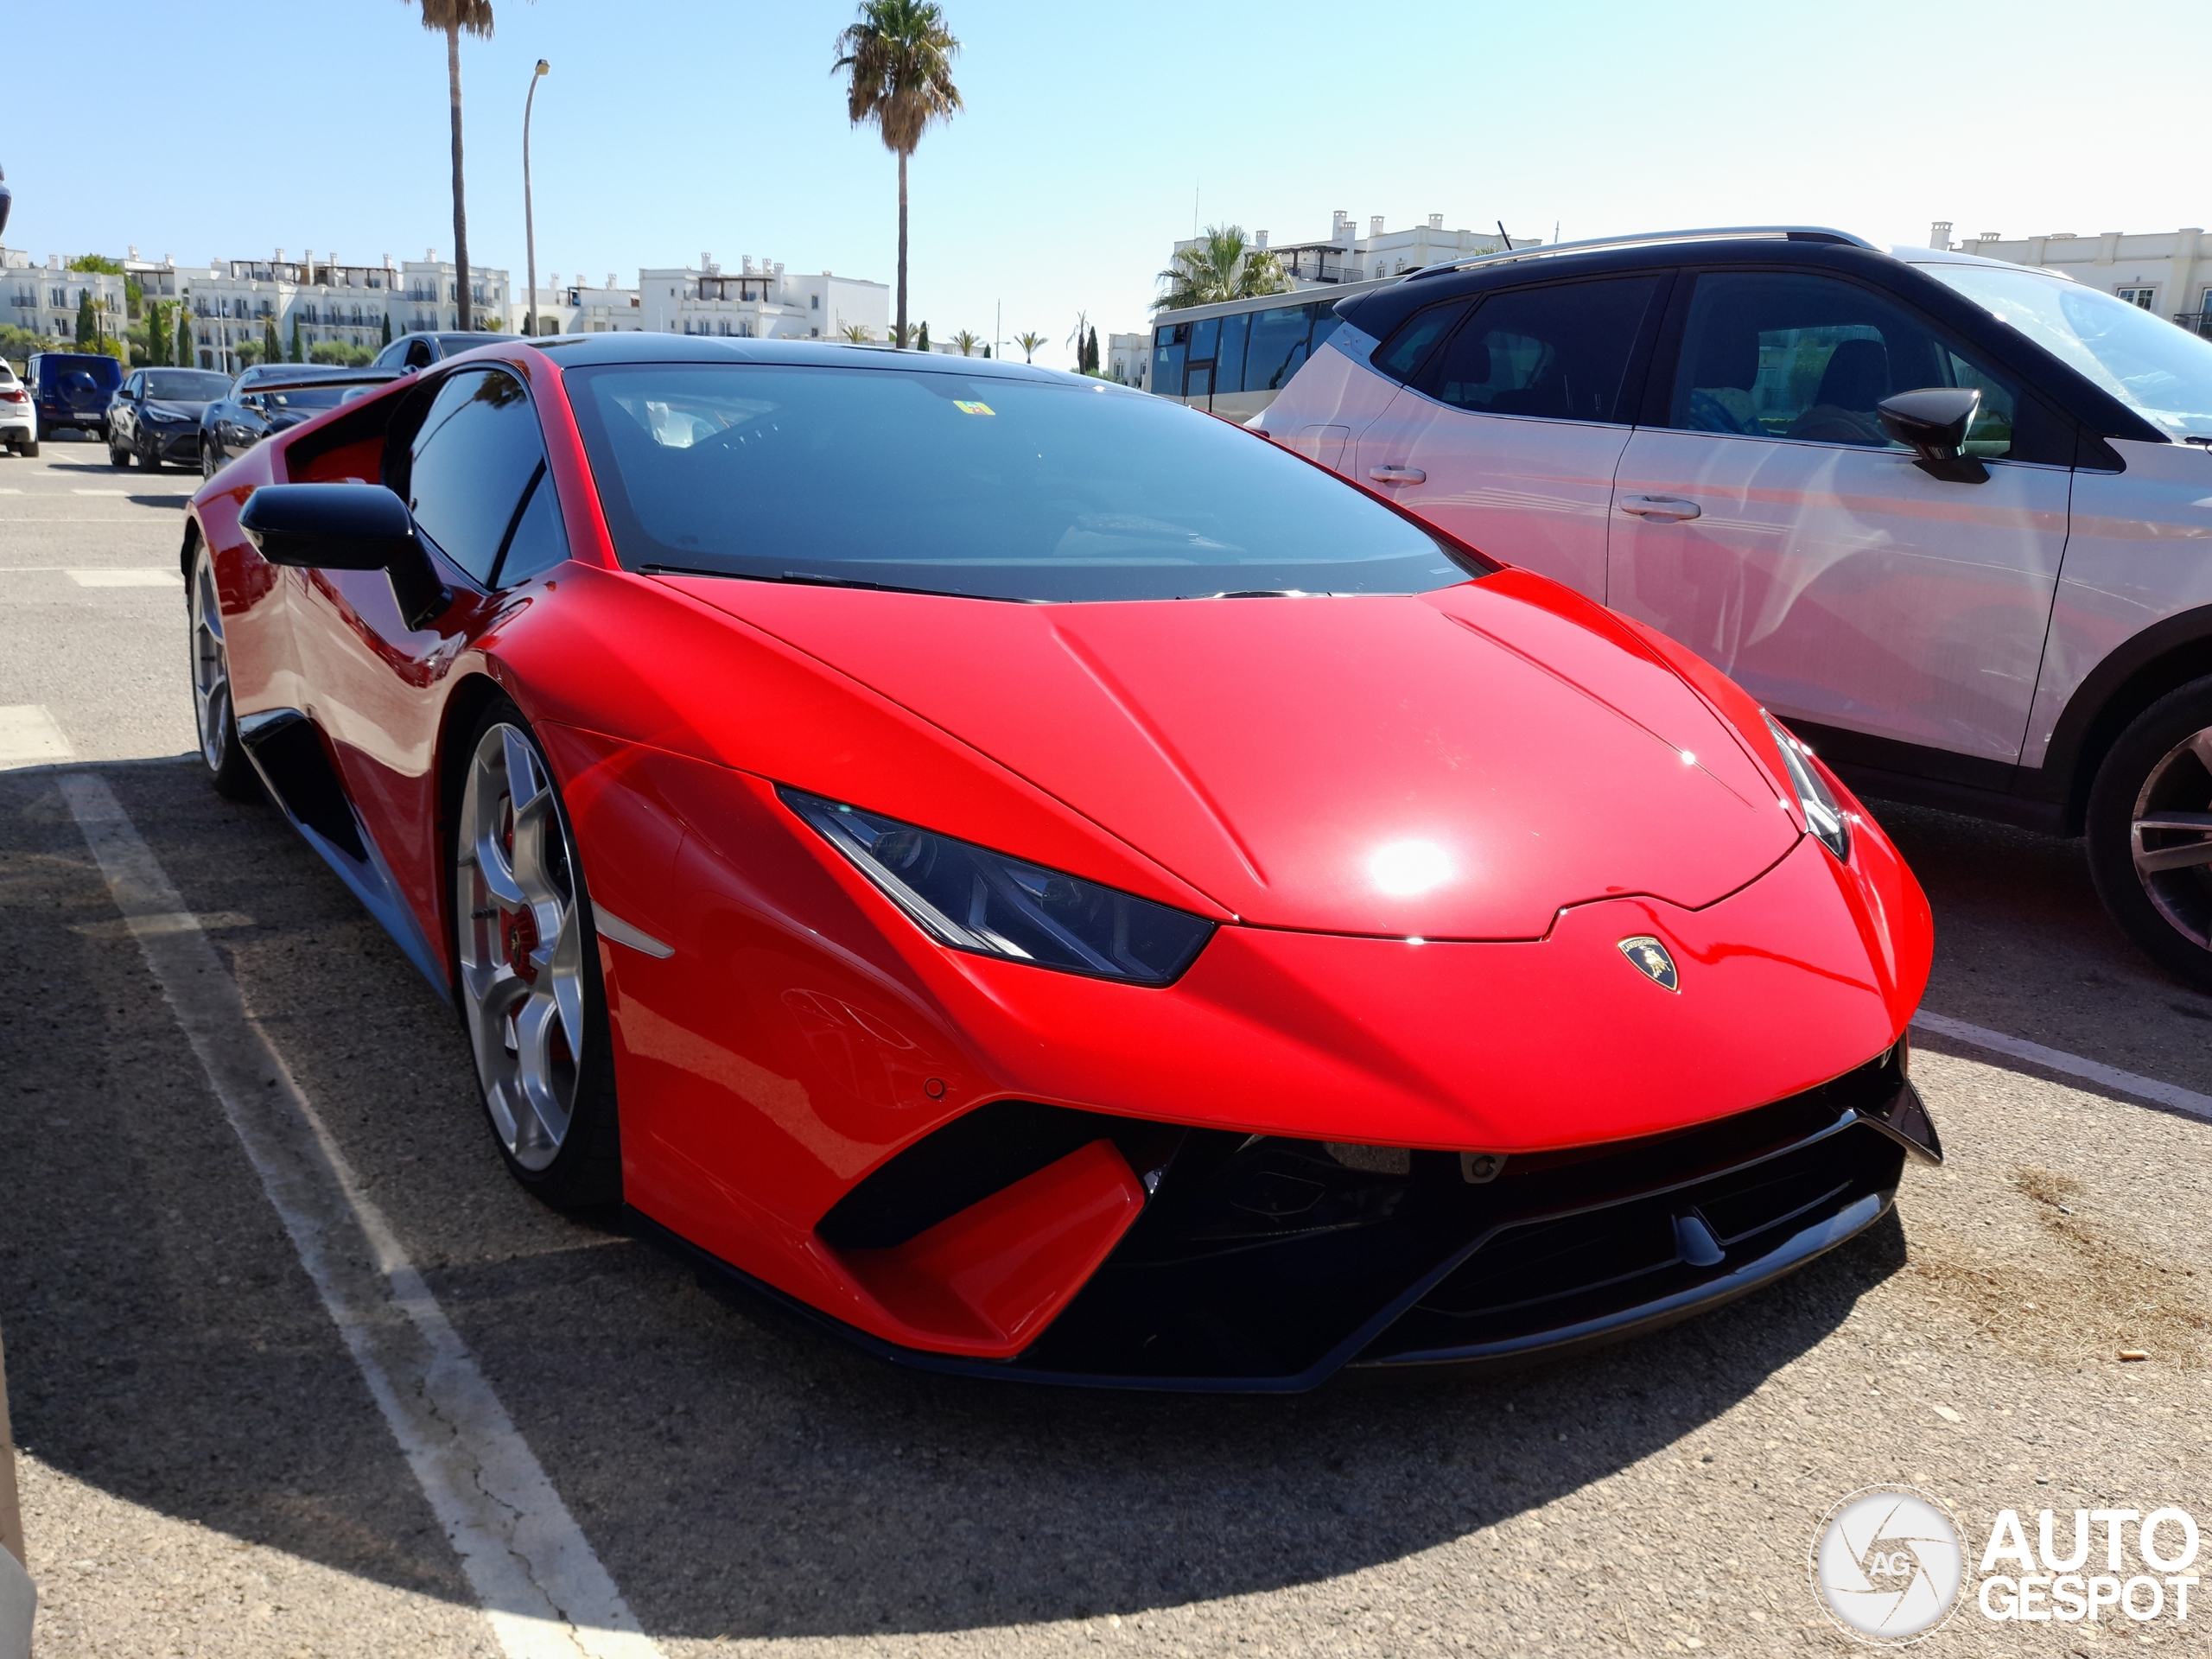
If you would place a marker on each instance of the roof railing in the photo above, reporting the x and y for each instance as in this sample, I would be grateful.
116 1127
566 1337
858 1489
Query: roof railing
1727 233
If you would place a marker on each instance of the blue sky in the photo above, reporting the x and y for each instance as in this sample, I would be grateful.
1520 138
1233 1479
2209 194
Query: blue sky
666 129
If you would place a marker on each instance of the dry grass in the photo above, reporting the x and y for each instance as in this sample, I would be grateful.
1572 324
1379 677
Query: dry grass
2081 1291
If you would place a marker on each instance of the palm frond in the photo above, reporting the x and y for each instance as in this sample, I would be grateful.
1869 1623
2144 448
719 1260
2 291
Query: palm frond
900 54
468 17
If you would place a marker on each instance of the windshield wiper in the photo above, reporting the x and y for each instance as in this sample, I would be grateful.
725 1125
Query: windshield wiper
804 578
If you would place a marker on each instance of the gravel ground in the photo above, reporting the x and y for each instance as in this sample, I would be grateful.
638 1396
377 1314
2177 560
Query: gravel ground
204 1472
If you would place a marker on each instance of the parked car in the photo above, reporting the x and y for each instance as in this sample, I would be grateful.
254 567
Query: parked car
1046 883
18 415
1947 517
153 418
72 390
269 397
420 351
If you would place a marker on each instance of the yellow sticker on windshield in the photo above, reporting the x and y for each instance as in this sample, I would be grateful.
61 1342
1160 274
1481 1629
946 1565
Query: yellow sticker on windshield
967 407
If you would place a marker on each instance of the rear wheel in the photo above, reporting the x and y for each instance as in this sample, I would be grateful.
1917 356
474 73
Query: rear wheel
530 992
232 773
29 449
117 458
2150 832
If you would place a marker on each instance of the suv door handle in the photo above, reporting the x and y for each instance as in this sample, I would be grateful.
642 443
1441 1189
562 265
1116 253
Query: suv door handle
1667 509
1397 474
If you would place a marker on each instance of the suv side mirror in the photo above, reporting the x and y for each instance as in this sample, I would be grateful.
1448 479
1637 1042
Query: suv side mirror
346 527
1932 422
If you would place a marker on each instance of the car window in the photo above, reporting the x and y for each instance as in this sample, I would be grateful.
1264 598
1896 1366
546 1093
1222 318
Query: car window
539 541
1785 355
131 386
1412 341
1559 353
477 450
986 486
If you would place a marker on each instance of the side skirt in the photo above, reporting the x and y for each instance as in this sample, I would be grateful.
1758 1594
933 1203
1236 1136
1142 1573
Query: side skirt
288 750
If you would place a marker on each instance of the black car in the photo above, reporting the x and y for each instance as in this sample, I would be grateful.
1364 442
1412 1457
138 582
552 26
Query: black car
265 399
420 351
71 389
154 418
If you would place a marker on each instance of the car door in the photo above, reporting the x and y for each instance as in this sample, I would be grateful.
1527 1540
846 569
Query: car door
1512 417
1765 520
123 414
474 475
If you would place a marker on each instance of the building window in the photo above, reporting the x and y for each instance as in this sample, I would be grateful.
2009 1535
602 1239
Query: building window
815 304
2145 297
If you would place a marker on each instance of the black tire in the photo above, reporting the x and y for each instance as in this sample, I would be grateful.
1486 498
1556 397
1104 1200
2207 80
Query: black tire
209 659
580 1166
29 450
119 459
2158 776
149 456
207 460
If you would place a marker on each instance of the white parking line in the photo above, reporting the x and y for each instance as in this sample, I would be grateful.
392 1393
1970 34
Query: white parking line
99 491
29 736
126 577
542 1588
2071 1065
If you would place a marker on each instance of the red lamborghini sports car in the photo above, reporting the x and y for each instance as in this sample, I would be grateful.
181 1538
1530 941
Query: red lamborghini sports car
1049 884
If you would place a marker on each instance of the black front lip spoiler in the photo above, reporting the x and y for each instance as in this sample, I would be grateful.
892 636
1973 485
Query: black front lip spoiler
1900 1120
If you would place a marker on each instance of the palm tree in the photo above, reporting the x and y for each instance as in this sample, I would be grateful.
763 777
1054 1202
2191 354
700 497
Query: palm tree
1029 343
900 56
859 333
1220 265
967 342
453 19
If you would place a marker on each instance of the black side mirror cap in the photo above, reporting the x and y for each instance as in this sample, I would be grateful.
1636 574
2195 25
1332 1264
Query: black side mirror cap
346 527
1932 422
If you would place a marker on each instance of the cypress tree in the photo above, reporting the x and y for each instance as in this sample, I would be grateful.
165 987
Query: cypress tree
387 328
1091 353
922 338
157 333
85 325
296 358
183 338
270 352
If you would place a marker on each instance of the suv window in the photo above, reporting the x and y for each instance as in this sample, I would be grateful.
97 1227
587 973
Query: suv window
1559 353
1783 354
476 451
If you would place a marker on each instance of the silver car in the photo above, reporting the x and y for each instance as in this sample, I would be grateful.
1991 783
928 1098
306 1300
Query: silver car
1950 519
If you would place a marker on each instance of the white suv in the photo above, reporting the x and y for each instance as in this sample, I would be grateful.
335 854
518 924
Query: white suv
18 415
1951 519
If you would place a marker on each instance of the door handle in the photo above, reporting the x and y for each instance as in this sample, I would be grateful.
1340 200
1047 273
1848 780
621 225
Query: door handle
1397 474
1667 509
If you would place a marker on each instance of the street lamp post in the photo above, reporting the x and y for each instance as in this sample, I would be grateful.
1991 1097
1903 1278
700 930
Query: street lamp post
528 228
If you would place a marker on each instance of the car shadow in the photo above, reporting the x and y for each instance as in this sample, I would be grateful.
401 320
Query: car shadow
739 1474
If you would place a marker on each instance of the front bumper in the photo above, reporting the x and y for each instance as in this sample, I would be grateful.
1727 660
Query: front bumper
1264 1264
180 443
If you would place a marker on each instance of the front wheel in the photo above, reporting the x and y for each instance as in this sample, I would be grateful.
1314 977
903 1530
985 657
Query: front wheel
119 459
2150 832
229 770
529 987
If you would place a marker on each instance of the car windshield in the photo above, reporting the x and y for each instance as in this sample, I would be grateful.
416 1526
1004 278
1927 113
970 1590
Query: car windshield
189 385
998 488
2146 362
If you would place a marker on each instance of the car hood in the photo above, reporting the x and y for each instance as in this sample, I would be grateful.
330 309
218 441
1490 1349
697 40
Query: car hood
1458 764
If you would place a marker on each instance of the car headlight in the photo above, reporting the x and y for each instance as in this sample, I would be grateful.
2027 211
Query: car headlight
165 414
1822 815
971 898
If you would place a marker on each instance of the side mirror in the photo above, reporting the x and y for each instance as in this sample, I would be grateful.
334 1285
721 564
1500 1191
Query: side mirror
346 527
1932 423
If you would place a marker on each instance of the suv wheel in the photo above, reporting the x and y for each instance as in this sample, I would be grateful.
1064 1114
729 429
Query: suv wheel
2150 832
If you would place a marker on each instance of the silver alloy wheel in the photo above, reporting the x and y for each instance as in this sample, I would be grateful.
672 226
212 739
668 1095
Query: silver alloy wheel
211 664
522 948
2169 837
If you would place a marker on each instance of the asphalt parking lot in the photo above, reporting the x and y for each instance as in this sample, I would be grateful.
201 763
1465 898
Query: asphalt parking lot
206 1471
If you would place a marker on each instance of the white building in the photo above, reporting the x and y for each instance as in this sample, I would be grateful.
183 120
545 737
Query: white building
43 298
1346 256
2166 271
760 301
579 308
1129 360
